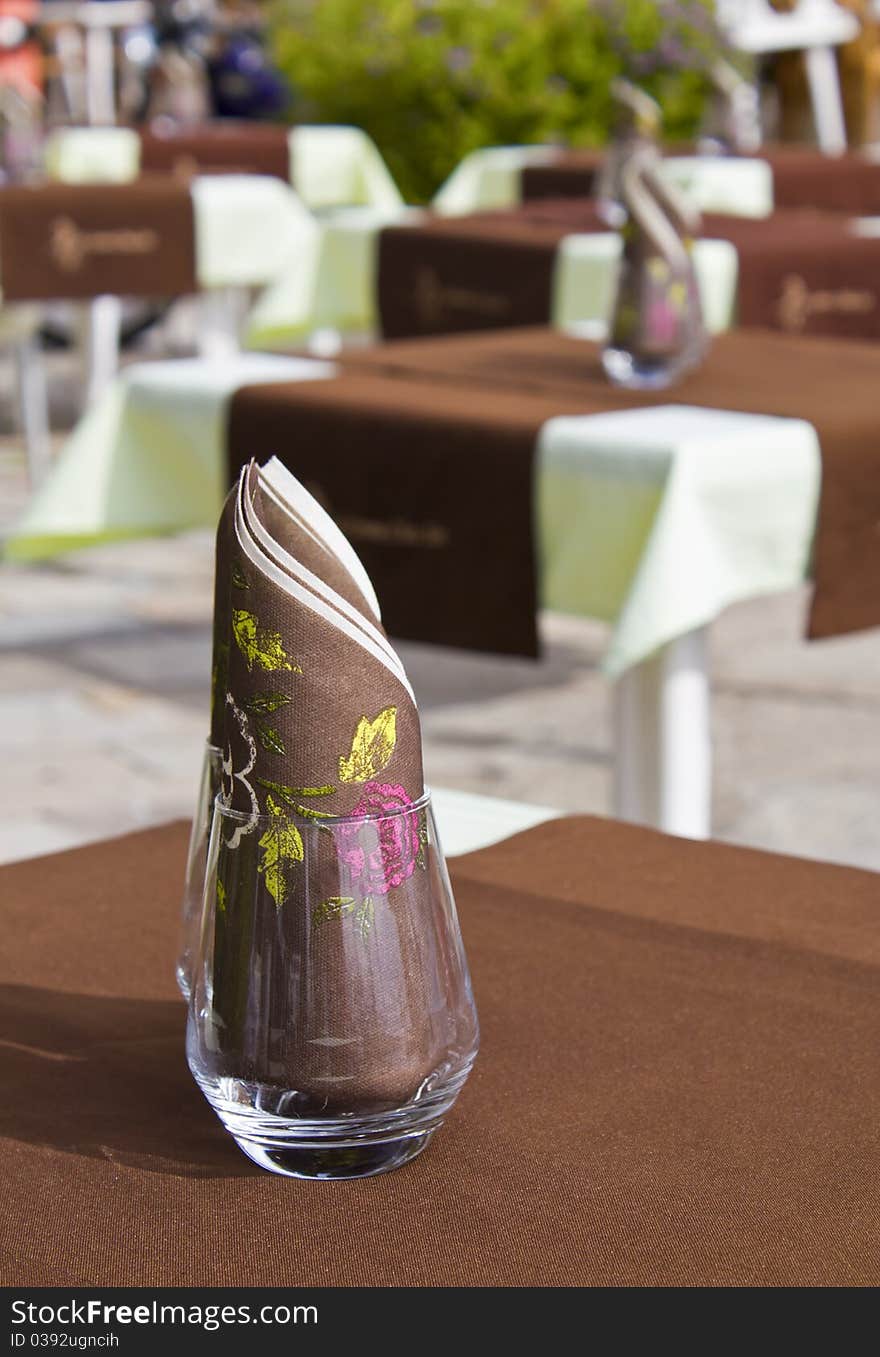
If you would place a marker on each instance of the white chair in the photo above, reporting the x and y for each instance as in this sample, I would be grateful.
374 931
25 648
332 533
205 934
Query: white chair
98 24
814 27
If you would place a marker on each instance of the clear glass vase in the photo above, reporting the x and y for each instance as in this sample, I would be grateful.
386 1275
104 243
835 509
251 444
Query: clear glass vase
656 333
196 862
331 1021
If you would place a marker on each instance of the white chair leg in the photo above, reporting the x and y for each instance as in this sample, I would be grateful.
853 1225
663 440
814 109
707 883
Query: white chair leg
33 402
823 79
102 325
221 314
663 751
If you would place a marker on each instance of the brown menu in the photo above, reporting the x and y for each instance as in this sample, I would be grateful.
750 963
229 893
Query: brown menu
82 240
677 1083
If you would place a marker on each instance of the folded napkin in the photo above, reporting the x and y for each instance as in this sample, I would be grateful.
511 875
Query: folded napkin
301 656
316 720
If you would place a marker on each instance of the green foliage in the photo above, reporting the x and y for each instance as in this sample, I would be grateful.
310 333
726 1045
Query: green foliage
431 80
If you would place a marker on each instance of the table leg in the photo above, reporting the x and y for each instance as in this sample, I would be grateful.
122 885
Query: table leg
221 315
34 407
100 76
663 752
102 324
824 82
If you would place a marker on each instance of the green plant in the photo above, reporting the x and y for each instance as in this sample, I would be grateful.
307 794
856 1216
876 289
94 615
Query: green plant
431 80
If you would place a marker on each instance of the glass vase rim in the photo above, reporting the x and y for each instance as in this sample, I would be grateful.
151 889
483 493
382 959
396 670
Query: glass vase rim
324 821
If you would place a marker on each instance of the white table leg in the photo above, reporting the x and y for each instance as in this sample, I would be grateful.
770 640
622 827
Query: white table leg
34 407
663 752
102 324
823 79
221 315
100 76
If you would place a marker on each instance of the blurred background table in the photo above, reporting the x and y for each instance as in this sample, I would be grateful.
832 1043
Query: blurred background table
242 232
776 176
554 264
632 527
328 166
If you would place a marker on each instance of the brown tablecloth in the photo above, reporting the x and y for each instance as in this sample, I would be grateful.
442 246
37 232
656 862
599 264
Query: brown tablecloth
800 271
433 490
222 147
488 270
802 177
804 272
678 1083
81 240
830 383
570 174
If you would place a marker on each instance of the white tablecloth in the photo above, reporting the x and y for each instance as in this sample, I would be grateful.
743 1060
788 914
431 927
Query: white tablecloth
653 520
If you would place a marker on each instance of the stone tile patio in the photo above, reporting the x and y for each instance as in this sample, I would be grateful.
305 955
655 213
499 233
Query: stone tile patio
104 662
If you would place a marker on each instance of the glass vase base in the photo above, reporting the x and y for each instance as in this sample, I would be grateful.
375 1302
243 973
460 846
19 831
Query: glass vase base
273 1128
335 1162
637 373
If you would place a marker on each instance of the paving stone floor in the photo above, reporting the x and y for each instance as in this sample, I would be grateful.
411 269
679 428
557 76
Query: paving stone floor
104 661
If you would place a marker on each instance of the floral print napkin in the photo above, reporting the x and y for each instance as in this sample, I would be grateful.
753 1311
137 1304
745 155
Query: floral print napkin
315 714
324 877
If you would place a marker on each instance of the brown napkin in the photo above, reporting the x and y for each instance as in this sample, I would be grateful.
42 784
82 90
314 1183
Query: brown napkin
315 697
317 720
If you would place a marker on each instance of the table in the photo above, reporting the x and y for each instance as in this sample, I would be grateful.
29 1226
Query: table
689 1029
328 166
246 231
342 293
797 270
781 176
652 521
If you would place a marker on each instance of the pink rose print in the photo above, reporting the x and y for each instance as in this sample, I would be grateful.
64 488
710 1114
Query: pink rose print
392 844
663 321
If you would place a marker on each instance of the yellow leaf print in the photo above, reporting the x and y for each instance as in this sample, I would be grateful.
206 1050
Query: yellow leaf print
282 842
371 748
259 645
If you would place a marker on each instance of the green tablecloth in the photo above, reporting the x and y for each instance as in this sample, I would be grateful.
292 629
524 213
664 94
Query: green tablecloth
652 519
